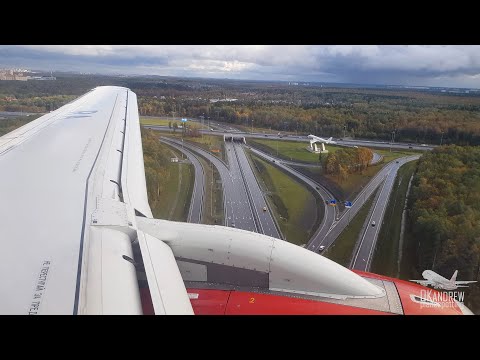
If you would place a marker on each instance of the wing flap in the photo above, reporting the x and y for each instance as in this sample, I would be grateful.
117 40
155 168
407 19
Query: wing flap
168 292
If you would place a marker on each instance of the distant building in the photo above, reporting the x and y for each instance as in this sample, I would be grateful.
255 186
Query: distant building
16 74
43 78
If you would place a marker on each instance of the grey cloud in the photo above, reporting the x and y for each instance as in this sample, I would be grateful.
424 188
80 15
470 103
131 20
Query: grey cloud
412 65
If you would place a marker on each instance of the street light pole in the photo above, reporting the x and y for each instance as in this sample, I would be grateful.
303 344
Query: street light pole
344 131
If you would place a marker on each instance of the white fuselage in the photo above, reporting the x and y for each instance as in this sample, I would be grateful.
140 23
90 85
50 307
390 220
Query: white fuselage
438 281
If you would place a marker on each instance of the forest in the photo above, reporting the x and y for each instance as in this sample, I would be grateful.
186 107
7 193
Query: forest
445 214
347 161
422 116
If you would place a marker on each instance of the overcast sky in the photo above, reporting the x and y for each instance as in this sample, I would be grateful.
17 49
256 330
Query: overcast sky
453 66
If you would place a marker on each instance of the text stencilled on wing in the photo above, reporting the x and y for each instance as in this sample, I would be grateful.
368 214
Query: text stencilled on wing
40 288
80 114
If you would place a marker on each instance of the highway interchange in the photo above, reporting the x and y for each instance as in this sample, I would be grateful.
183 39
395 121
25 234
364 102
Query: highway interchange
244 200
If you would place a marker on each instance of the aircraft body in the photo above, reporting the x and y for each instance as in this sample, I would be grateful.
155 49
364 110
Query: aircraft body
439 282
314 139
78 236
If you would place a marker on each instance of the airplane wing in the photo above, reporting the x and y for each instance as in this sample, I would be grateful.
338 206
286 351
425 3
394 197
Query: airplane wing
72 183
465 282
423 282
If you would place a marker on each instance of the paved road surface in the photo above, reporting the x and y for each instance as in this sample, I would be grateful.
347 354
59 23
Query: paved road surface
363 257
257 198
236 205
302 138
198 193
338 226
330 211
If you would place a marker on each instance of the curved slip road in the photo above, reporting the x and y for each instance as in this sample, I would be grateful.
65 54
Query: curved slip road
339 225
236 205
330 211
195 212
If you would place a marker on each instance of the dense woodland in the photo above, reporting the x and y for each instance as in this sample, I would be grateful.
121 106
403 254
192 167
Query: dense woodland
445 213
424 116
347 161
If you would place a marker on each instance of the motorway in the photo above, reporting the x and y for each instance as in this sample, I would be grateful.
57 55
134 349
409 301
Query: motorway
198 194
303 138
330 211
364 252
243 198
244 177
388 171
330 228
237 208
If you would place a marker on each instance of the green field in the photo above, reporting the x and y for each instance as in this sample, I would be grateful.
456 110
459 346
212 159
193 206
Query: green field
174 201
213 198
385 259
342 249
289 150
209 143
248 128
294 207
164 121
395 154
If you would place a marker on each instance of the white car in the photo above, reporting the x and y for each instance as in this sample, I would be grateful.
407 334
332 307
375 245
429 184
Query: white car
373 223
321 248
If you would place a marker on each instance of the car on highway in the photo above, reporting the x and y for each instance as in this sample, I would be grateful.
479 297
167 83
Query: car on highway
264 208
232 224
410 147
317 187
373 223
321 248
397 161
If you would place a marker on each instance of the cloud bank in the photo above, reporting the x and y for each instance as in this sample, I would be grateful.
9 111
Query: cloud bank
453 66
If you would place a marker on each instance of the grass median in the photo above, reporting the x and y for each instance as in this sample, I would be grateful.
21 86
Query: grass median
297 210
385 258
174 202
342 249
289 150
